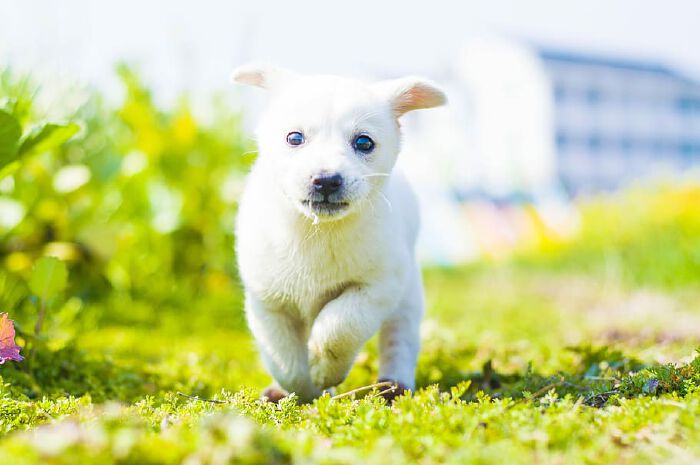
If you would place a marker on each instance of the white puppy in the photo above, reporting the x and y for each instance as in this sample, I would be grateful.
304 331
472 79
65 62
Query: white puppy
326 231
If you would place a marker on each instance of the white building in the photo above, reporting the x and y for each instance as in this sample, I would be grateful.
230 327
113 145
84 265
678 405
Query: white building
619 120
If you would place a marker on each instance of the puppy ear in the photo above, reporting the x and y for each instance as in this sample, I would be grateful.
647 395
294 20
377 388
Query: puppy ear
411 93
261 75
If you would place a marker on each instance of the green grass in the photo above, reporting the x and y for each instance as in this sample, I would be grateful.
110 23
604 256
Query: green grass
517 367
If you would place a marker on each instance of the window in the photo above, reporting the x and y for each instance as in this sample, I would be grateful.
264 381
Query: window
593 96
595 143
688 104
560 92
627 144
563 140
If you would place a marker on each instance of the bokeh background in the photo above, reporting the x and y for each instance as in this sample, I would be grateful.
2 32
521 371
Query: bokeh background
550 101
571 140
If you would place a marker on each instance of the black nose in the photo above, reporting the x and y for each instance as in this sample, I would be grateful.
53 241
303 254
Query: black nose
326 184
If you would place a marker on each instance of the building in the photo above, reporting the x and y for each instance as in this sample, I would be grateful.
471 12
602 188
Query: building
620 120
529 129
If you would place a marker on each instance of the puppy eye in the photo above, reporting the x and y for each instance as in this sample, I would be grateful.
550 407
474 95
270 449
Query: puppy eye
295 138
363 144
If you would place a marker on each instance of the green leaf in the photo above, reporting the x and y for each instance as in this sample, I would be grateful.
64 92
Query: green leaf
46 137
9 169
10 132
49 277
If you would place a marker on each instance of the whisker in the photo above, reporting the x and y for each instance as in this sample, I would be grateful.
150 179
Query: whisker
386 200
372 175
371 204
313 231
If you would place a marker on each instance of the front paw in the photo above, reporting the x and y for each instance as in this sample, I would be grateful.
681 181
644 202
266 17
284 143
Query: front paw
273 393
326 368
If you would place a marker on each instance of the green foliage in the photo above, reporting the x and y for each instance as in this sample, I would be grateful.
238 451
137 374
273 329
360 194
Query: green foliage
430 428
537 397
140 204
46 136
40 139
10 132
640 237
49 277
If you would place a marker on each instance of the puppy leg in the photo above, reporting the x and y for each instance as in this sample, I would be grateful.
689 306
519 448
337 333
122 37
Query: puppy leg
282 343
342 327
399 340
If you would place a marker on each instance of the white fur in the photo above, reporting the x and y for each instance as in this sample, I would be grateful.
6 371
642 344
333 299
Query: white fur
319 284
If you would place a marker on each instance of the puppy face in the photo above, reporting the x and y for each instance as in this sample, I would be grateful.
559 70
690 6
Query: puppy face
328 143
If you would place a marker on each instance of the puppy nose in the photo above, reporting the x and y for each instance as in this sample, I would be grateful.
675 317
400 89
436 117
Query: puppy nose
326 184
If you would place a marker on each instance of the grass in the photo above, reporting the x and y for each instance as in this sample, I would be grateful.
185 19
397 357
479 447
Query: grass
518 366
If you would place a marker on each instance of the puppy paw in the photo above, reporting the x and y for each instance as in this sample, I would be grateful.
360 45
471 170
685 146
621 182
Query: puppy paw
392 392
318 369
325 368
273 393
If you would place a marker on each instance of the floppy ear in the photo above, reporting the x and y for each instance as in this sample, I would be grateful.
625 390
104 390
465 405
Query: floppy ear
261 75
411 93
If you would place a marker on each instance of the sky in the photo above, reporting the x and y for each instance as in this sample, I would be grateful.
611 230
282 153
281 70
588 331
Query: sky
180 44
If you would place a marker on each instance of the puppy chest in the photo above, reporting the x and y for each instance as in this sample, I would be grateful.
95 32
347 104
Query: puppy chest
308 275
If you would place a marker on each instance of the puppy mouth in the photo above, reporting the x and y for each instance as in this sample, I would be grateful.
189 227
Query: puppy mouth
325 207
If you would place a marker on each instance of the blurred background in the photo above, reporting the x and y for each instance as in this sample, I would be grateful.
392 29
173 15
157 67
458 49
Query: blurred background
560 187
549 101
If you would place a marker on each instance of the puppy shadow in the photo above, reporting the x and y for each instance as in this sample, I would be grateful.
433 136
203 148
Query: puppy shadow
593 378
